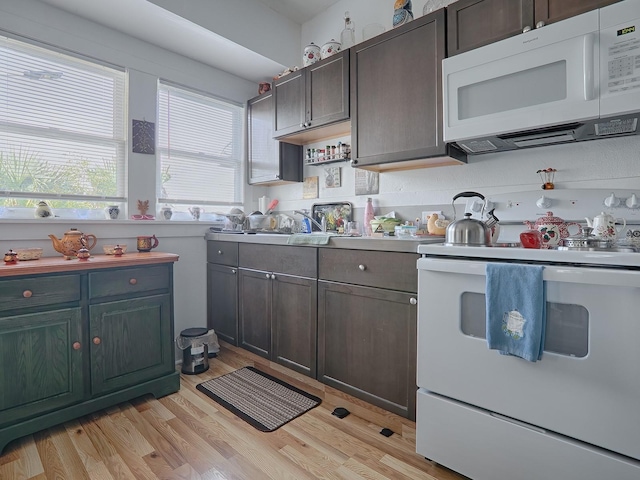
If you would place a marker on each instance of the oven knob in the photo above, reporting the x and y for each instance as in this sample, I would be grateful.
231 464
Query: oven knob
612 201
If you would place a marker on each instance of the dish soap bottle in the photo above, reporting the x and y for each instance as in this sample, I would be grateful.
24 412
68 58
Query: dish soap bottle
348 35
368 216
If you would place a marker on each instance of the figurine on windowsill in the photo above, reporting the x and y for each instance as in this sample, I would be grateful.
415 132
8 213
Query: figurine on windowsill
143 208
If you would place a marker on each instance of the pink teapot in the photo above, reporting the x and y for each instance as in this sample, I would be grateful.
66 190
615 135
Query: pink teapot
553 229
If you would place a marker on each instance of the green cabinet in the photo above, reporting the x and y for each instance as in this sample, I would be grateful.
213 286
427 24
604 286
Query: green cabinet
41 357
128 342
74 343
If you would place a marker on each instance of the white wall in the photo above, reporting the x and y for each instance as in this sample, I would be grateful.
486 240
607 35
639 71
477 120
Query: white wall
613 163
147 63
249 23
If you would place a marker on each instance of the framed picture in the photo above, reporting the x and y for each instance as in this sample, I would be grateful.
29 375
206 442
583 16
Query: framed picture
143 137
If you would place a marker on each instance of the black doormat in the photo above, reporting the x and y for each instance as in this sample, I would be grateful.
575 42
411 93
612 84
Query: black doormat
263 401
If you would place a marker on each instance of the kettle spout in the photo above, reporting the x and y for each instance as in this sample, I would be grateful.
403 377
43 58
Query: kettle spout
589 222
56 243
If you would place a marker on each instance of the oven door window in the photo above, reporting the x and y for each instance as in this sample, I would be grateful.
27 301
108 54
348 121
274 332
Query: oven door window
567 329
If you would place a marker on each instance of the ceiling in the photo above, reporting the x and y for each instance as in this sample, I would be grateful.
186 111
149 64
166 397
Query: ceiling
300 11
146 21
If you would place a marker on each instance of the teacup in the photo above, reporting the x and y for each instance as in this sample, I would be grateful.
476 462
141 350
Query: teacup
146 243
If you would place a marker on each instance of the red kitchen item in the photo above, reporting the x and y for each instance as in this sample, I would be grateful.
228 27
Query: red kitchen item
531 239
271 206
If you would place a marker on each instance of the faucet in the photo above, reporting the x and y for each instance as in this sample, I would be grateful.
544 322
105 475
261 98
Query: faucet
322 228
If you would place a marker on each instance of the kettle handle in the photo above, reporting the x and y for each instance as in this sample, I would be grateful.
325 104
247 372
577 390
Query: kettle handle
86 243
467 194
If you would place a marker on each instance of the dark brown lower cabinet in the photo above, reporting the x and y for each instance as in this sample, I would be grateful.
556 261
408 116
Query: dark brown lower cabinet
222 301
367 344
277 291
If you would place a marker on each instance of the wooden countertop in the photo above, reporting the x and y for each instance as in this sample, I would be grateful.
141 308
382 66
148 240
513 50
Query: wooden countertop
59 264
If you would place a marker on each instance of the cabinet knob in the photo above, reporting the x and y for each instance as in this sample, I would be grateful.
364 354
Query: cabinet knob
273 276
277 175
97 341
526 29
362 267
219 252
133 281
540 24
354 162
302 125
76 345
268 275
233 270
27 294
413 301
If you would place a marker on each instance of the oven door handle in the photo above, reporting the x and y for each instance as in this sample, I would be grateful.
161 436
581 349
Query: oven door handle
552 273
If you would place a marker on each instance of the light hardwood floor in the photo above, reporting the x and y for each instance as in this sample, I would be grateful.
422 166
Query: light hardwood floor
186 435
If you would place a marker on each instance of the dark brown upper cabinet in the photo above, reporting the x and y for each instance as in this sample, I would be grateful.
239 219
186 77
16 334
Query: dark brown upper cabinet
396 98
310 99
474 23
268 160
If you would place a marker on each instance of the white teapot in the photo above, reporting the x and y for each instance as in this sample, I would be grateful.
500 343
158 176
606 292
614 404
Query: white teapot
604 225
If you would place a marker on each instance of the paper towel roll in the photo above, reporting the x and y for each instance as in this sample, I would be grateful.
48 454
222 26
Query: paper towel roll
263 204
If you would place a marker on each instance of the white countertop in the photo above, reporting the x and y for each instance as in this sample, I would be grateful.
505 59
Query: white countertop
391 244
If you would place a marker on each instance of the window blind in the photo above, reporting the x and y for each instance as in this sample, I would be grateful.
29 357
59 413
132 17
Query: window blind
62 128
200 145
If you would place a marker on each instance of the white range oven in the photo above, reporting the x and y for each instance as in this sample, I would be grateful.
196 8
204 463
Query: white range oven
572 415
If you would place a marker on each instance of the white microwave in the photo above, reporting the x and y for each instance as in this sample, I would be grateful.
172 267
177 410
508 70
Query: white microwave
578 79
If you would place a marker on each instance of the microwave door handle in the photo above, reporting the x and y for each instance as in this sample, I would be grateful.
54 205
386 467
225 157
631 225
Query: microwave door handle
588 48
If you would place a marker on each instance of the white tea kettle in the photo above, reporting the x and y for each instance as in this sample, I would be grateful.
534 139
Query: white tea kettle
604 225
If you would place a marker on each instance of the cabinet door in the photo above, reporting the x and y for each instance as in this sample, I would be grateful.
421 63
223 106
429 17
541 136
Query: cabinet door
131 341
397 93
222 301
367 344
295 313
254 317
262 149
327 95
473 23
549 11
289 103
41 363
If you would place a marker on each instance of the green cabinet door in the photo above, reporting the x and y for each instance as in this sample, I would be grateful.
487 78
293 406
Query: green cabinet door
131 341
41 365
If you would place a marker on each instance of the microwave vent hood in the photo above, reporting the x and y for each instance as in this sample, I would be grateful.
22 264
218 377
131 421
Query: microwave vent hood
573 80
574 132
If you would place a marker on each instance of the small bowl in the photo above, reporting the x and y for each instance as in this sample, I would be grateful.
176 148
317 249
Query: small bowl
110 249
24 254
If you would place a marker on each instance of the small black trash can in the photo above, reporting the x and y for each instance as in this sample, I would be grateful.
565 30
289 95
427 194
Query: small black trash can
195 350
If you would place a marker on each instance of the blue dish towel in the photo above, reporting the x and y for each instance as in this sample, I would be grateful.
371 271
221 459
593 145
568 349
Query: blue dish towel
516 309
